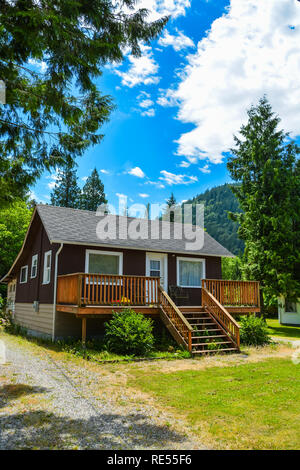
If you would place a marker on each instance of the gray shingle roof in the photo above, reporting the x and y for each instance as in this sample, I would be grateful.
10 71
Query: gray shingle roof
79 226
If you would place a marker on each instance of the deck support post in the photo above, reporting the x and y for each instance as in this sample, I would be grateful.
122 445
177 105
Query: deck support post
83 332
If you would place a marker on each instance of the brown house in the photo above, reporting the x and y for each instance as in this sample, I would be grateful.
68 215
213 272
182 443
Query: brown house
76 264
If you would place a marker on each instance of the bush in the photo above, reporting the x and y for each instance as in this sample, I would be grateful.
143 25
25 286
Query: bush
254 331
129 332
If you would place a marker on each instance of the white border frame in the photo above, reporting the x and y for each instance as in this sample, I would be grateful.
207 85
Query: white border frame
26 267
36 256
101 252
44 265
164 258
187 258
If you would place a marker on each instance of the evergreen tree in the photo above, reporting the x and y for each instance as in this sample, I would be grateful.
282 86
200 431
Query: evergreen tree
171 202
92 193
66 192
264 164
52 52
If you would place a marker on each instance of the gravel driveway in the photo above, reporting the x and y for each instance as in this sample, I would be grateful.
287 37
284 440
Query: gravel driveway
58 404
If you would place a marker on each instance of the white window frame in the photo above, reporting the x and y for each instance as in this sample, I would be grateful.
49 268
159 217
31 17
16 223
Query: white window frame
185 258
45 281
35 257
26 270
100 252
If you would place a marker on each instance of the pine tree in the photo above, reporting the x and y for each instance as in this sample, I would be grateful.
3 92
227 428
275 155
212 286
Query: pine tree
66 192
264 164
171 202
92 193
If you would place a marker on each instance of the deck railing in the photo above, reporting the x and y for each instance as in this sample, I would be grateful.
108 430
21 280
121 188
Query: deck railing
234 293
219 312
176 318
105 289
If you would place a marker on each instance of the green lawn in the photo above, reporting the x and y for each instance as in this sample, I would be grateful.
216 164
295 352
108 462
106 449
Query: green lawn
248 406
275 329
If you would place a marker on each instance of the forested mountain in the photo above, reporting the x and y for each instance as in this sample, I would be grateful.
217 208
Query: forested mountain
217 201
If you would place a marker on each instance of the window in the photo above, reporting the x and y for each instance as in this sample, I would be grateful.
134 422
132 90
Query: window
155 267
47 267
103 262
23 274
34 263
290 307
190 271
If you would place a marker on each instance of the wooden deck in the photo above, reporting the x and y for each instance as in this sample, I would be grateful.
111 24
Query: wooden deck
99 310
95 295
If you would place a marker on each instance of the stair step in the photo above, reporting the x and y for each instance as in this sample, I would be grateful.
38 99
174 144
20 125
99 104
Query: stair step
195 313
218 342
210 329
197 318
207 337
214 350
206 324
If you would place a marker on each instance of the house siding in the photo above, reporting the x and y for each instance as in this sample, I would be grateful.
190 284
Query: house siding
213 268
34 289
40 322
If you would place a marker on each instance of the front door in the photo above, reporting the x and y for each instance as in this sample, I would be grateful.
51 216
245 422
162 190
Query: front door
157 265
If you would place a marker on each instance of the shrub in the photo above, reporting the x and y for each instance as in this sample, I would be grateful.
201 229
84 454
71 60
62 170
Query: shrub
254 331
129 332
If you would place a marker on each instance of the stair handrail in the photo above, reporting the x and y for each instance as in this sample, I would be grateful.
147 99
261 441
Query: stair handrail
177 319
219 312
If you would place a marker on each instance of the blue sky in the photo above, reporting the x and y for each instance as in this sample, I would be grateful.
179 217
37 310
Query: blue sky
180 103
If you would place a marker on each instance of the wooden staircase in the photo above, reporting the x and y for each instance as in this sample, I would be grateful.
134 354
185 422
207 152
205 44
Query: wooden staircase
208 336
206 329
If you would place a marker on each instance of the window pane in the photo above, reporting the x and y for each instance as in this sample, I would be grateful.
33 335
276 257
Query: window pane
23 274
48 261
103 264
290 307
155 264
190 273
155 273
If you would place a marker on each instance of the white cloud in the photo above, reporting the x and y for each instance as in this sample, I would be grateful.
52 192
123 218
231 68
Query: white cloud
137 171
143 195
144 69
53 177
167 98
158 184
149 113
141 69
84 178
39 64
184 164
250 51
171 178
178 41
159 8
205 169
105 172
146 103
